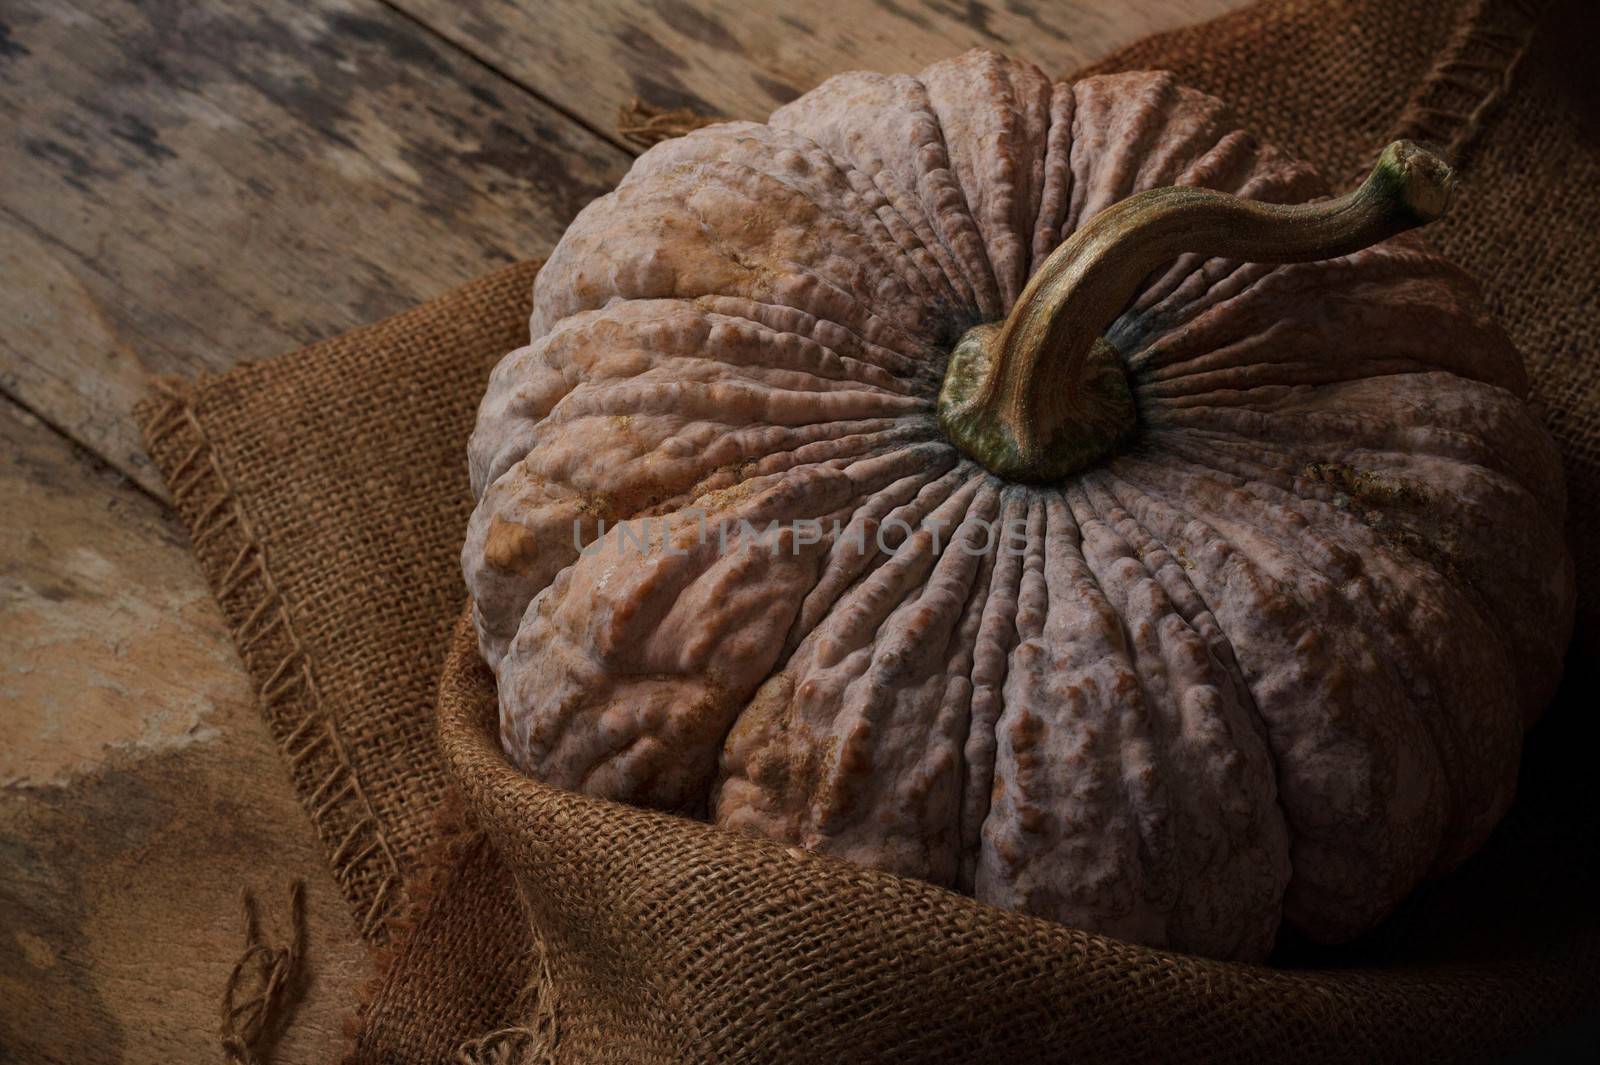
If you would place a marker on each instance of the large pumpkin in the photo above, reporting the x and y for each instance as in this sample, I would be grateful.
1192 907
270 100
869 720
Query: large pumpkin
1191 595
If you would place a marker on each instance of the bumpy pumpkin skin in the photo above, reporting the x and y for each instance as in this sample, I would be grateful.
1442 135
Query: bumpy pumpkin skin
1272 662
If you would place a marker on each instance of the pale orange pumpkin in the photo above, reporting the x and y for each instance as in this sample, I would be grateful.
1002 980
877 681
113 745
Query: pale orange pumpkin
1285 578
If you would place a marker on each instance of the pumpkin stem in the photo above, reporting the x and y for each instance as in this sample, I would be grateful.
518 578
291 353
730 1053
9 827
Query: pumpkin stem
1042 394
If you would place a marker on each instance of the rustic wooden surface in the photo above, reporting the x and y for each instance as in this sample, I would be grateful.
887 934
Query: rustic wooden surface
741 59
184 186
142 794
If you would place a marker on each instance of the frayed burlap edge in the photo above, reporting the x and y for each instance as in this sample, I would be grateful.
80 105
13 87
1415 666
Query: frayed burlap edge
1472 76
536 1038
235 558
262 623
529 1034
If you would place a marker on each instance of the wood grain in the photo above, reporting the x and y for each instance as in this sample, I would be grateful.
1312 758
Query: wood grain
742 59
139 790
190 185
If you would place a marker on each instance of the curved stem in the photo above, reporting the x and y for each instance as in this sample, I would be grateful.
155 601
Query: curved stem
1039 355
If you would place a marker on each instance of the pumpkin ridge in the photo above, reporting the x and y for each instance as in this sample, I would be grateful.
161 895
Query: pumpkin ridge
967 240
1217 555
1195 126
864 303
914 770
1139 116
854 443
1327 435
932 180
841 571
676 396
1350 709
1238 163
1111 114
855 207
966 666
994 116
1268 430
1256 377
815 775
910 512
1145 800
866 373
905 235
704 326
1140 330
1447 720
1257 881
491 586
805 325
590 721
688 257
1226 895
515 415
1498 592
1476 351
1171 571
852 211
1367 490
1055 180
1071 683
1187 557
776 376
687 351
993 643
962 301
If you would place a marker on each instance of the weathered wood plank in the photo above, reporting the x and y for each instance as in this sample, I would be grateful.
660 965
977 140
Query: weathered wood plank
742 58
139 790
187 185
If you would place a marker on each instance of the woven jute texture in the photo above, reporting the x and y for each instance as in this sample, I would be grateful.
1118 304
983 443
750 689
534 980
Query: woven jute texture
326 495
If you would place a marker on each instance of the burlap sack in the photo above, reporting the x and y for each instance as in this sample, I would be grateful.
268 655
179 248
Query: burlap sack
326 495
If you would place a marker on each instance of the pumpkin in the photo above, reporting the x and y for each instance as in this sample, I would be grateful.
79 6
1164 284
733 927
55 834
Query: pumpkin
1042 489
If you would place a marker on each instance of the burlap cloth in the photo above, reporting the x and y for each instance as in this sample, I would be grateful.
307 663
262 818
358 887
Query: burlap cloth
326 495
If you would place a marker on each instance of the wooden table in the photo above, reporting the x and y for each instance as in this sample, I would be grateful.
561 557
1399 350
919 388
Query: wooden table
184 186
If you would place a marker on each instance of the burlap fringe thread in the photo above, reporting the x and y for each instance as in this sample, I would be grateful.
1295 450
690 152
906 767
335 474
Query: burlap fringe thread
250 1023
645 124
530 1043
